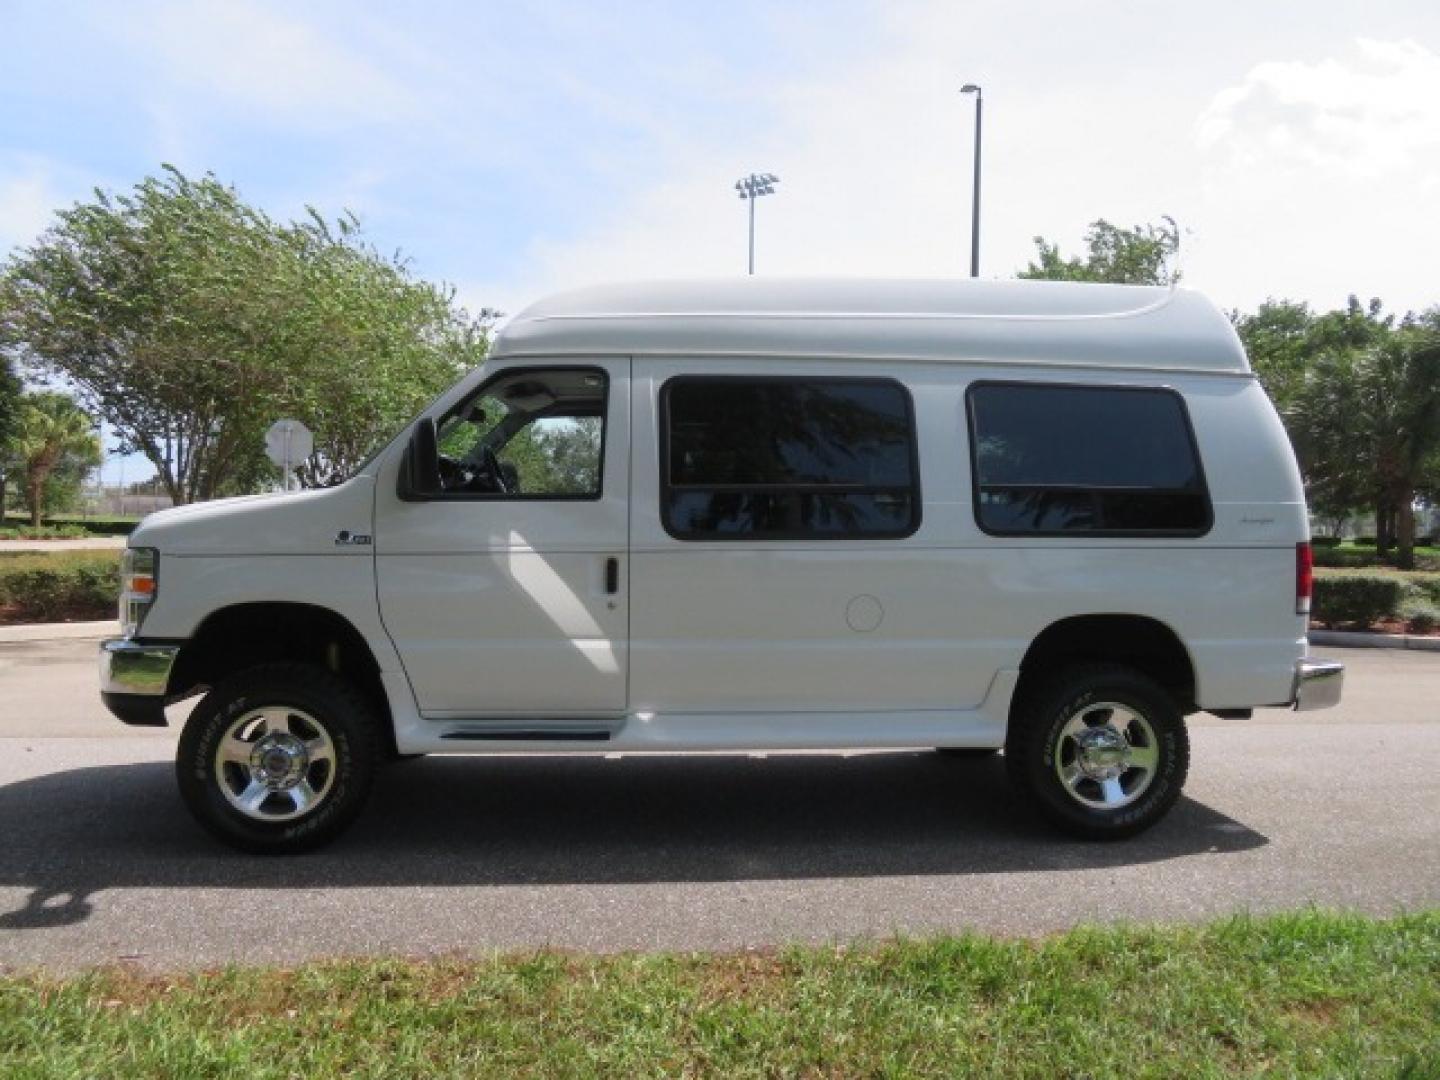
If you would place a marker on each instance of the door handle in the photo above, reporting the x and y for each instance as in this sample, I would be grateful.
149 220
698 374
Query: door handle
612 575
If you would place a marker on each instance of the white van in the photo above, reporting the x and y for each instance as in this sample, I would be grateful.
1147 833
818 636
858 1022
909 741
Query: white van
1048 518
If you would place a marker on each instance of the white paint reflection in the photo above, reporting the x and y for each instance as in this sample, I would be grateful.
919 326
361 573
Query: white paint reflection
552 595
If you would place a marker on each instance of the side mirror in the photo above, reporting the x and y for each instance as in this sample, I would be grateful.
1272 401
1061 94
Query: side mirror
420 472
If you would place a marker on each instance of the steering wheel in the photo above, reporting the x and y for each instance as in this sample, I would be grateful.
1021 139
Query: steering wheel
490 468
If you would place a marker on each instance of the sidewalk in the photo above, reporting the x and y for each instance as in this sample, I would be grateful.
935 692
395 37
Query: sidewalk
1364 639
84 543
59 631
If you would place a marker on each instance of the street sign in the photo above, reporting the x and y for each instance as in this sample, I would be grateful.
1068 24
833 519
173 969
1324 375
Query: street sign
287 444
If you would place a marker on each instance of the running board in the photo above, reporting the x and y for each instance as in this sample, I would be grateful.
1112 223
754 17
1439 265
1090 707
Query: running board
530 734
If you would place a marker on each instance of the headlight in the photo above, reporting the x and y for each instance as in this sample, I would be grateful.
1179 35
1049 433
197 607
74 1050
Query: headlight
138 569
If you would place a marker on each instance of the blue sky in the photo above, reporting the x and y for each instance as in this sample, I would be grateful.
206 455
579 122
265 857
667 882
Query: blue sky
512 149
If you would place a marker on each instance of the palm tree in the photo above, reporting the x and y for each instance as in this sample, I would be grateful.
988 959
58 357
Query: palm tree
52 430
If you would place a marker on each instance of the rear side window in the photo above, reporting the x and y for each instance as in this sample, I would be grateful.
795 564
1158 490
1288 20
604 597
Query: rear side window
787 458
1060 460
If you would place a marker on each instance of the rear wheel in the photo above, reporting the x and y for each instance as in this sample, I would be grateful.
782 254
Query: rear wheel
278 759
1100 749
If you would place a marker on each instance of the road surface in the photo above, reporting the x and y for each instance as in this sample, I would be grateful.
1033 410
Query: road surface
100 863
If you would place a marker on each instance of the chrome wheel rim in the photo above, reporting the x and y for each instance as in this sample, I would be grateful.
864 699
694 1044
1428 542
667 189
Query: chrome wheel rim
275 763
1106 755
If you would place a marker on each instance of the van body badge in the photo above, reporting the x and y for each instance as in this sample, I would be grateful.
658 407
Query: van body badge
345 538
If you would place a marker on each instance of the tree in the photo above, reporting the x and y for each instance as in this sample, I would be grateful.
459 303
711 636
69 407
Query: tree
1280 340
1360 397
376 345
191 321
9 416
1144 255
53 438
1300 365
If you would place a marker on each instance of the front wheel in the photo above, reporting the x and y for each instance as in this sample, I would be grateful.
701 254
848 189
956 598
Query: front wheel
1100 749
278 759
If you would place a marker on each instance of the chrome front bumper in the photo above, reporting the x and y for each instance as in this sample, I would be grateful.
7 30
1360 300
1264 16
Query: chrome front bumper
1317 684
132 667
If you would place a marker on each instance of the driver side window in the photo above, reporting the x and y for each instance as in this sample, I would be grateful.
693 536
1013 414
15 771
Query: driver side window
535 433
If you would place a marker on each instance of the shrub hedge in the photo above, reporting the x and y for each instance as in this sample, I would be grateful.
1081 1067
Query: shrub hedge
68 590
100 526
1346 557
44 532
1357 600
64 526
1421 616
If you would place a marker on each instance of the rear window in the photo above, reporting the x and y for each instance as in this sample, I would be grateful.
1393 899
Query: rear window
764 457
1059 460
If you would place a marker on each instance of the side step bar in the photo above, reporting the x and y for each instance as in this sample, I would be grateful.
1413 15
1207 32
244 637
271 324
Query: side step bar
530 734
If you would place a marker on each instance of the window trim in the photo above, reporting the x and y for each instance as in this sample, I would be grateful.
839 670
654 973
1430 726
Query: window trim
534 496
917 499
1142 534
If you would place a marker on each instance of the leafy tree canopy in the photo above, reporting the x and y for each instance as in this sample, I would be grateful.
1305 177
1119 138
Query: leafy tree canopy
1359 392
9 399
1144 255
190 321
53 446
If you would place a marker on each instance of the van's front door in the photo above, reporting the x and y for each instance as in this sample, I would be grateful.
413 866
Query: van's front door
506 592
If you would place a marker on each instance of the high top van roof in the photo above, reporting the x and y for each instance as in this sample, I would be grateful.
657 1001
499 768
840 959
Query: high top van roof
1021 322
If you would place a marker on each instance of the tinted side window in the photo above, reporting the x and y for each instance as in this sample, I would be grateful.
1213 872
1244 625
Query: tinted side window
784 458
1064 459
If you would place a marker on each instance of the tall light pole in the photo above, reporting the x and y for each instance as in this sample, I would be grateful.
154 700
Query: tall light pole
752 187
972 88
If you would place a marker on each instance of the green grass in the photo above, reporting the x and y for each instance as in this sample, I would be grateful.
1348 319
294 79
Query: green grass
1298 995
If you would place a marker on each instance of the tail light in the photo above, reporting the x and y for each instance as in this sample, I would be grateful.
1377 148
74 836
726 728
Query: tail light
1304 578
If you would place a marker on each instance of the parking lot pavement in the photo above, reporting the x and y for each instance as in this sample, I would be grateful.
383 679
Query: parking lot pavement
100 862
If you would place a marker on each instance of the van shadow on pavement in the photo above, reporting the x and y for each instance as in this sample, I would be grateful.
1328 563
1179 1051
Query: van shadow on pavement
573 820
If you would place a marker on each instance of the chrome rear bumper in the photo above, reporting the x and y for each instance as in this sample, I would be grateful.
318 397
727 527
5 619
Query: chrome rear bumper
1317 684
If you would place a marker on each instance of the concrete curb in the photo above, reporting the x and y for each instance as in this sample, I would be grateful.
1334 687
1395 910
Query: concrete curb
59 631
80 543
1362 639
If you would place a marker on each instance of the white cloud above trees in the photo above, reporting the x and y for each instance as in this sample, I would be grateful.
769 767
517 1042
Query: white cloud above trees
1368 114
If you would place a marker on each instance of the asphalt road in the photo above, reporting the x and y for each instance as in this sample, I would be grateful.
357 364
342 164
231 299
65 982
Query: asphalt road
100 863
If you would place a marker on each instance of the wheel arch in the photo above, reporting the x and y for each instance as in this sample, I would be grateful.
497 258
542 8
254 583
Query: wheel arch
241 636
1137 641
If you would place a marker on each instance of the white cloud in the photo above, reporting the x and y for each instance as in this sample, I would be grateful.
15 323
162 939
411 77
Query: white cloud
1316 178
258 57
28 199
1300 180
1370 115
874 179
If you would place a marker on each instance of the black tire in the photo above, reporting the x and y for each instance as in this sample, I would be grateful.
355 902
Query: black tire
322 702
1037 737
967 753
